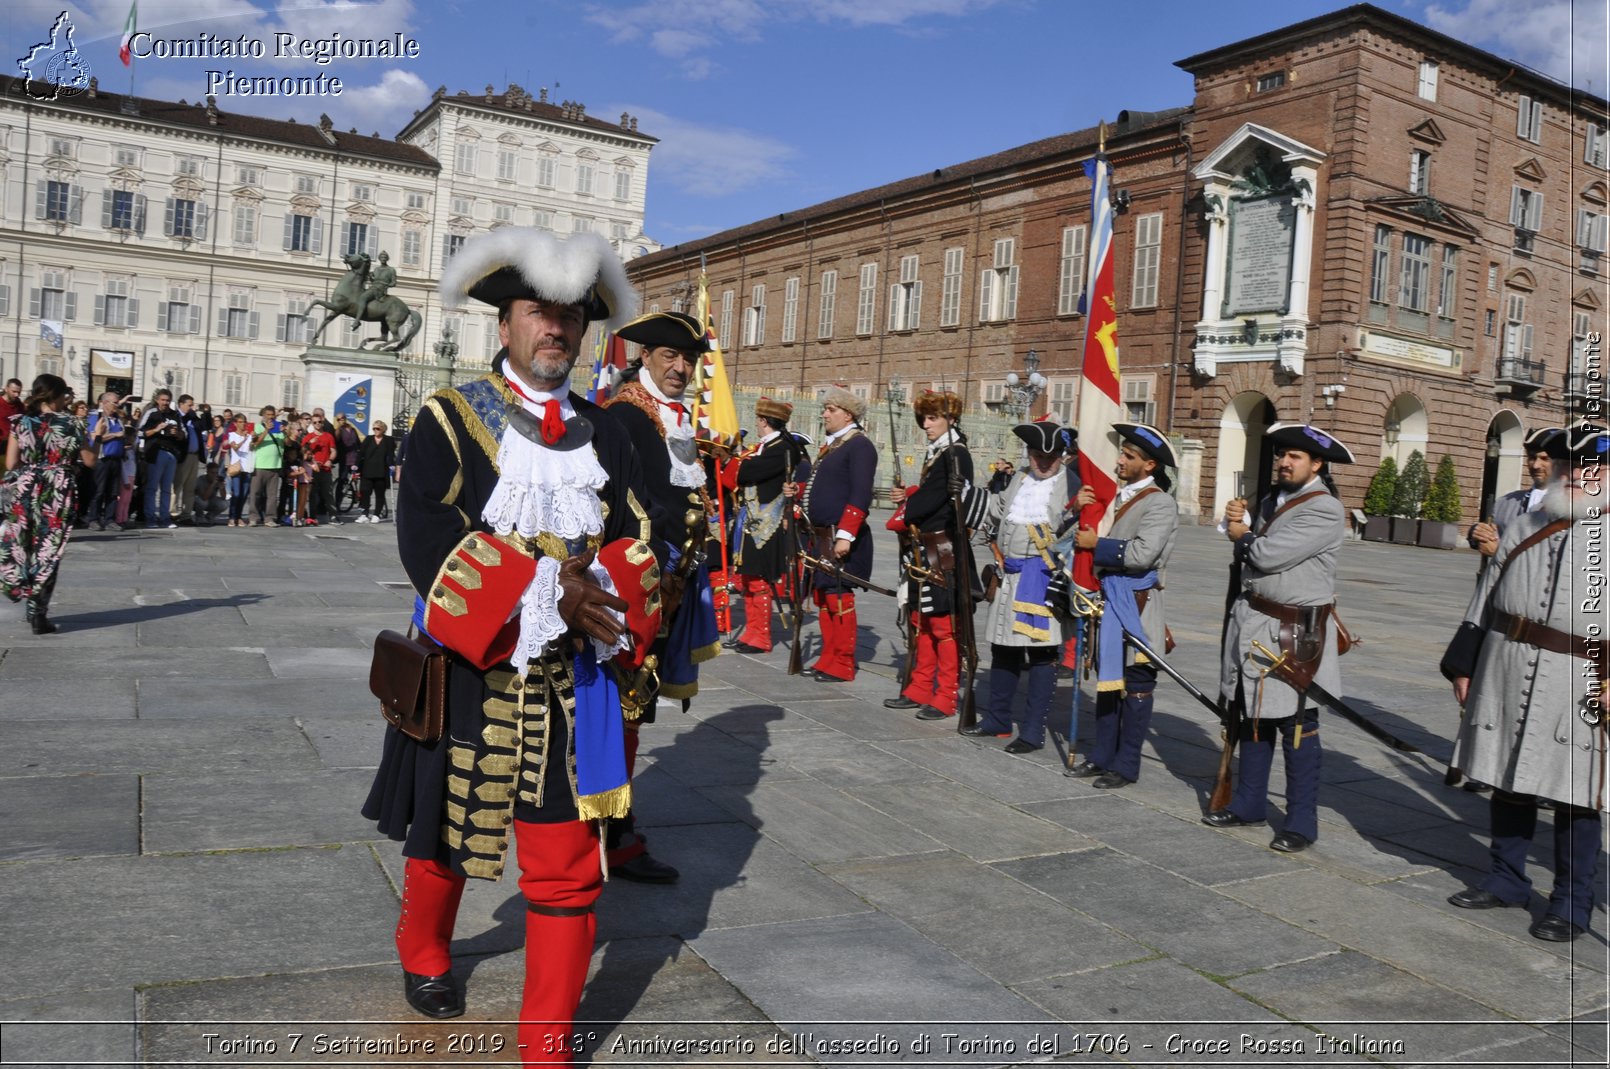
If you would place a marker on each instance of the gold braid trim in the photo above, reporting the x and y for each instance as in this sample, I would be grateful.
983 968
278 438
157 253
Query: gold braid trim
705 653
456 487
472 422
614 803
639 398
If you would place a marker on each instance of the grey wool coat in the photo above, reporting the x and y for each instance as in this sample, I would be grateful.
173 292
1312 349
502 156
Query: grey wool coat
1014 541
1522 729
1146 531
1291 560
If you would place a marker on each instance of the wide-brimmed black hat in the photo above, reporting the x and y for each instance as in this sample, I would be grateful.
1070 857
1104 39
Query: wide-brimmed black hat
1551 440
1587 440
668 330
1311 440
1041 437
1149 440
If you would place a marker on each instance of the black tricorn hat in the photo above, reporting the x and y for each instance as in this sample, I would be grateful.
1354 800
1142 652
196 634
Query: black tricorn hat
1587 440
1311 440
1042 437
670 330
1555 441
1149 440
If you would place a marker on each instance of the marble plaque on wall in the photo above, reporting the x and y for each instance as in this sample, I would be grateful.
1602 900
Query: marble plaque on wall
1262 231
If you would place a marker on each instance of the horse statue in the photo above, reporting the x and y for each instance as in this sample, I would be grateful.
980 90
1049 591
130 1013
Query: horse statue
396 319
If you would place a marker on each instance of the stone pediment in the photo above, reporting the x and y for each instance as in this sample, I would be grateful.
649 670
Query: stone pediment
361 212
1520 279
1532 169
1428 131
188 187
415 217
1595 193
1240 149
305 204
1586 299
248 193
1428 210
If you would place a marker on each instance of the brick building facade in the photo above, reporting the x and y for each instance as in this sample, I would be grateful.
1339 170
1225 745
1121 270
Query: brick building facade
1435 279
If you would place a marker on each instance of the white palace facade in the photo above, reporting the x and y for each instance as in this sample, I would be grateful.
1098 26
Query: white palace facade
178 245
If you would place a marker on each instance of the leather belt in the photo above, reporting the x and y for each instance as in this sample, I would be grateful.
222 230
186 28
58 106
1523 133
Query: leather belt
1544 637
823 535
1288 614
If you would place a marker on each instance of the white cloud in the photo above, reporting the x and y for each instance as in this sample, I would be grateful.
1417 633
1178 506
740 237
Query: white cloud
385 106
711 161
664 24
1564 39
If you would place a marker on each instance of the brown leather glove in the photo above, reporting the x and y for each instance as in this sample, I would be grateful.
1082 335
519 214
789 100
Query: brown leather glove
584 605
672 587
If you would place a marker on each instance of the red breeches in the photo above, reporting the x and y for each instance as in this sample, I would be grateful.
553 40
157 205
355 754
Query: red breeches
935 674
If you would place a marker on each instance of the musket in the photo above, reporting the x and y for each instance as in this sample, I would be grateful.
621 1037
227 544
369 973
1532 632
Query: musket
1280 666
840 574
962 604
908 554
1224 786
796 580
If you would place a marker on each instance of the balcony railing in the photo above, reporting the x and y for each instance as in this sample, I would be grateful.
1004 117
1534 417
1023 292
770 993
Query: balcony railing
1525 240
1590 262
1576 384
1514 371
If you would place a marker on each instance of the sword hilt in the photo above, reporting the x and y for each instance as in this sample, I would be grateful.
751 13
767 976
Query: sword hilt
1275 662
1084 604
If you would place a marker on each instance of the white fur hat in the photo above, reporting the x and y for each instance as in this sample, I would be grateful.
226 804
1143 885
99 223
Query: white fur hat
538 264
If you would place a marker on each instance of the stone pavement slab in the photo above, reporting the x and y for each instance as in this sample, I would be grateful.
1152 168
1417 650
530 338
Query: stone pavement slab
817 823
1509 976
71 1027
837 759
189 918
1200 928
146 746
54 817
967 821
175 699
93 699
249 810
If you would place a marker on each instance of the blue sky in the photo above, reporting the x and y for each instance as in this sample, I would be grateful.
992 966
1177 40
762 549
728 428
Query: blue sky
767 106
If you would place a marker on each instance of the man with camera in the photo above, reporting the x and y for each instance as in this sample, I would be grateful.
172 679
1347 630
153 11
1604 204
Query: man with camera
190 460
162 435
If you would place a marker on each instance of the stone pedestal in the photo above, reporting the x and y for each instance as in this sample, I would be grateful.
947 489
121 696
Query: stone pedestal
358 383
1189 491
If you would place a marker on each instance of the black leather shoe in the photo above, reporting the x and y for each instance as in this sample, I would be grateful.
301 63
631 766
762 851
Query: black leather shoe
433 996
1555 929
1084 770
979 731
900 702
1476 898
42 625
1018 746
744 647
732 643
1110 781
928 712
645 869
1223 818
822 677
1289 842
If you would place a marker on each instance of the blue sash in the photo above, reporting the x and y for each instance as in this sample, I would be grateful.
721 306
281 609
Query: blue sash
1118 595
1032 617
602 786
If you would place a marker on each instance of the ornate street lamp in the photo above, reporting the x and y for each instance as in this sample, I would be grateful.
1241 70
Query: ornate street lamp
1022 391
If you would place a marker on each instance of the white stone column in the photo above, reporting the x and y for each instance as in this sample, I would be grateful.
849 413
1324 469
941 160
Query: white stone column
1218 252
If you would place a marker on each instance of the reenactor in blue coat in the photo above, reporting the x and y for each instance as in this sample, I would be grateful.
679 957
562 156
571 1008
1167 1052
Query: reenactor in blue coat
836 503
766 536
1287 555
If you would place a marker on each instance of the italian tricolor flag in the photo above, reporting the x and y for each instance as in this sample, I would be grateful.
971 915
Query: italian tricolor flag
123 52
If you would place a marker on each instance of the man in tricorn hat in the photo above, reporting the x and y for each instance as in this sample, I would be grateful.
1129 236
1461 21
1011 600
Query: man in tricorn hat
1533 690
766 550
1130 560
1485 534
523 529
835 506
1022 632
657 414
1287 555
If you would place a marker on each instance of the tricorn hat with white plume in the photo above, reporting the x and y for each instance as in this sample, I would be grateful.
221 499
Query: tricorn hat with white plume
524 262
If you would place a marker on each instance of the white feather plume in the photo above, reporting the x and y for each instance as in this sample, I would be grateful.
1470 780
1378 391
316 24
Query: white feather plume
561 269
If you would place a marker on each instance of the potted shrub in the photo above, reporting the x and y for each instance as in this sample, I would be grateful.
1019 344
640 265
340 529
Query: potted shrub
1378 502
1408 500
1439 522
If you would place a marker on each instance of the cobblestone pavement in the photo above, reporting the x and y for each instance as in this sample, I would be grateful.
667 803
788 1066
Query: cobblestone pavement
183 861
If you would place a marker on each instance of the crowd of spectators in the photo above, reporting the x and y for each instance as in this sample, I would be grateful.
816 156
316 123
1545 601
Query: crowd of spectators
175 463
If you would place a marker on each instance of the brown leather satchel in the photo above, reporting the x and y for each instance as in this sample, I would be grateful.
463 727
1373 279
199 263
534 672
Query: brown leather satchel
409 676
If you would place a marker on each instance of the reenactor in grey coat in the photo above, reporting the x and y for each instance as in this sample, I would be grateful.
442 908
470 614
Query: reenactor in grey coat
1022 631
1287 557
1485 535
1533 691
1142 522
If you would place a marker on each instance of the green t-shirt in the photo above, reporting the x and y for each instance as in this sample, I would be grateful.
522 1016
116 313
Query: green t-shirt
270 455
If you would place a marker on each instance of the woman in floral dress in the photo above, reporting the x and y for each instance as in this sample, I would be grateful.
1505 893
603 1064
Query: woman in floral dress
42 457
